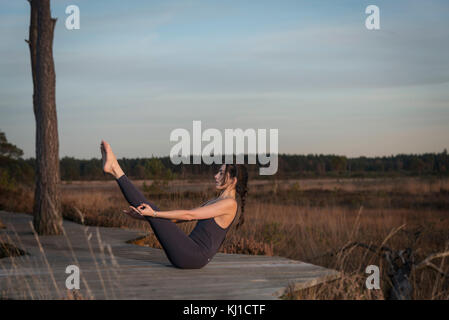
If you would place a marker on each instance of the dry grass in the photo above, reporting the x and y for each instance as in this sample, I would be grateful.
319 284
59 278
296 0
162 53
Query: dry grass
301 220
10 250
36 285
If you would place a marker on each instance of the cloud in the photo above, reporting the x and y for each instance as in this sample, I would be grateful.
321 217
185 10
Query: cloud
147 69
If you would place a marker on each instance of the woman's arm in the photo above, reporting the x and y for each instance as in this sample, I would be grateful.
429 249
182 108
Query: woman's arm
222 207
135 215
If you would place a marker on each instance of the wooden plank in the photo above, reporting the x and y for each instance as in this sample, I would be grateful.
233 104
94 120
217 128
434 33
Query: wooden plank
135 272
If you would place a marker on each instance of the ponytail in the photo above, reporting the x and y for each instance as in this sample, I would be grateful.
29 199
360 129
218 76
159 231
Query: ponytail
241 173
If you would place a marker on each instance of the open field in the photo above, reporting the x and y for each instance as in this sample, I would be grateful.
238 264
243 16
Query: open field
307 220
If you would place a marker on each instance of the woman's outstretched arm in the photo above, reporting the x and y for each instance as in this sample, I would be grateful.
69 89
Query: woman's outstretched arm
219 208
135 215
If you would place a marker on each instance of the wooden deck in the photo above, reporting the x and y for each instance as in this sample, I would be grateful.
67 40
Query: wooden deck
110 268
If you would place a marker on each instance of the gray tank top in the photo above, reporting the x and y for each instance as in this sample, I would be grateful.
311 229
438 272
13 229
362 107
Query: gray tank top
209 235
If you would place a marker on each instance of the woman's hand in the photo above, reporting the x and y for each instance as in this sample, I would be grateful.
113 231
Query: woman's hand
134 215
144 210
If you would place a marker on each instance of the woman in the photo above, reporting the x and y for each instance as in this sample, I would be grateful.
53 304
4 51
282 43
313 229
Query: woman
214 218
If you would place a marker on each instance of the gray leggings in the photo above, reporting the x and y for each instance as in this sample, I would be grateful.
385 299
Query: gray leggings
180 249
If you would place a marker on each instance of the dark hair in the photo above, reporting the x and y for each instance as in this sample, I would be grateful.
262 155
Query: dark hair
239 171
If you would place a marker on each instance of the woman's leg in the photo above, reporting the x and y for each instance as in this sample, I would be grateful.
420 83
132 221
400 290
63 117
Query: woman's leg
180 249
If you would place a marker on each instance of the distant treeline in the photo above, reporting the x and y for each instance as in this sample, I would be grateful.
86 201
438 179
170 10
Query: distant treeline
289 166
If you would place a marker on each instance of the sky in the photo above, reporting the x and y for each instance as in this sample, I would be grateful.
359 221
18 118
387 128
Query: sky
137 70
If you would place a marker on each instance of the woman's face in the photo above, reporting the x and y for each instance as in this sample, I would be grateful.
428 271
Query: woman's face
220 178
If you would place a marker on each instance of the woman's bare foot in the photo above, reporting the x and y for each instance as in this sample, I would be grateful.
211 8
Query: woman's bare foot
109 161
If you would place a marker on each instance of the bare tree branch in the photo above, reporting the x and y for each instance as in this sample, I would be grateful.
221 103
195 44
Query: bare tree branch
427 263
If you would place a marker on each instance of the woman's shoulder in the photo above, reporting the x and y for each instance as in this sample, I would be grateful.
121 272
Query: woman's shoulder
208 202
232 202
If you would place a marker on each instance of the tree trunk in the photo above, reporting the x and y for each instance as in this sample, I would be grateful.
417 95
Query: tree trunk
47 206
